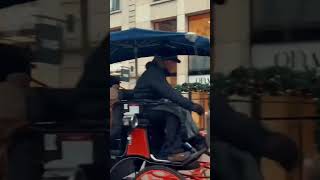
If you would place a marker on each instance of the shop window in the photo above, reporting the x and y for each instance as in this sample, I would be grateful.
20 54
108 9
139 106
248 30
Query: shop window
166 25
199 24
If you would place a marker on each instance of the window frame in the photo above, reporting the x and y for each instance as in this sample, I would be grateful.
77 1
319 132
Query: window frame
190 71
113 8
164 20
271 35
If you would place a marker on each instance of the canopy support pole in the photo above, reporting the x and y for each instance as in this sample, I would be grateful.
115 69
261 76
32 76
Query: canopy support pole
136 59
136 65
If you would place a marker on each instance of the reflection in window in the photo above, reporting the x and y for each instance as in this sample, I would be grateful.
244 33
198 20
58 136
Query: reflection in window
199 65
290 20
167 25
199 24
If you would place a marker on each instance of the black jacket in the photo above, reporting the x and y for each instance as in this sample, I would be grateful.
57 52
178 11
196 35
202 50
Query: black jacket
153 85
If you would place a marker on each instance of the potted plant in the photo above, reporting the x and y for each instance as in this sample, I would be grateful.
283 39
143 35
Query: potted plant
199 93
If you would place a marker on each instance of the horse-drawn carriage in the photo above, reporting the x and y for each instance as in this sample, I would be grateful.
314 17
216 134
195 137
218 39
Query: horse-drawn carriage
133 155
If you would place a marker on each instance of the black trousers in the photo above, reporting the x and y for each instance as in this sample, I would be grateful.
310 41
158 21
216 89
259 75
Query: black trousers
165 133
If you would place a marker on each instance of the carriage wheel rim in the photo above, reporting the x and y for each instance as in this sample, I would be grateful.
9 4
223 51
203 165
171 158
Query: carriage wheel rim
158 174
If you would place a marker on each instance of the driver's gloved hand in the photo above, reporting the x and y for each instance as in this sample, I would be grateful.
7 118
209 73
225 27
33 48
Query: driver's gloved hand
198 109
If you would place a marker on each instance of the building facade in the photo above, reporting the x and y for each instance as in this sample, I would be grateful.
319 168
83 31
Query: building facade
164 15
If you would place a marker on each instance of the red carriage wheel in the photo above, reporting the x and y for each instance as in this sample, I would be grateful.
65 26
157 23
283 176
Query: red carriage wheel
158 173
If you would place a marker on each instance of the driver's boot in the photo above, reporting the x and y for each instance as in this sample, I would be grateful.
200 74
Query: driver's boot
198 142
174 152
179 157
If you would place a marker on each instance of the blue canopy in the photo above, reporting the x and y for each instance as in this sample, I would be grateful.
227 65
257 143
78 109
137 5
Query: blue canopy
135 43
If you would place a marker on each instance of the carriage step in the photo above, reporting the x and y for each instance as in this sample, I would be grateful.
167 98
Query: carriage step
195 156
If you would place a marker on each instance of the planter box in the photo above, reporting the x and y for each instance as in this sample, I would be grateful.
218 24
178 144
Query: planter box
302 131
203 99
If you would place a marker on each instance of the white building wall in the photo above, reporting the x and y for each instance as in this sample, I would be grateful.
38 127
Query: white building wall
182 26
191 6
232 39
164 9
232 35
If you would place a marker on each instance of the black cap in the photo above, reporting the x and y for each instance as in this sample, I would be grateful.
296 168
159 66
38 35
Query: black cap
170 58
